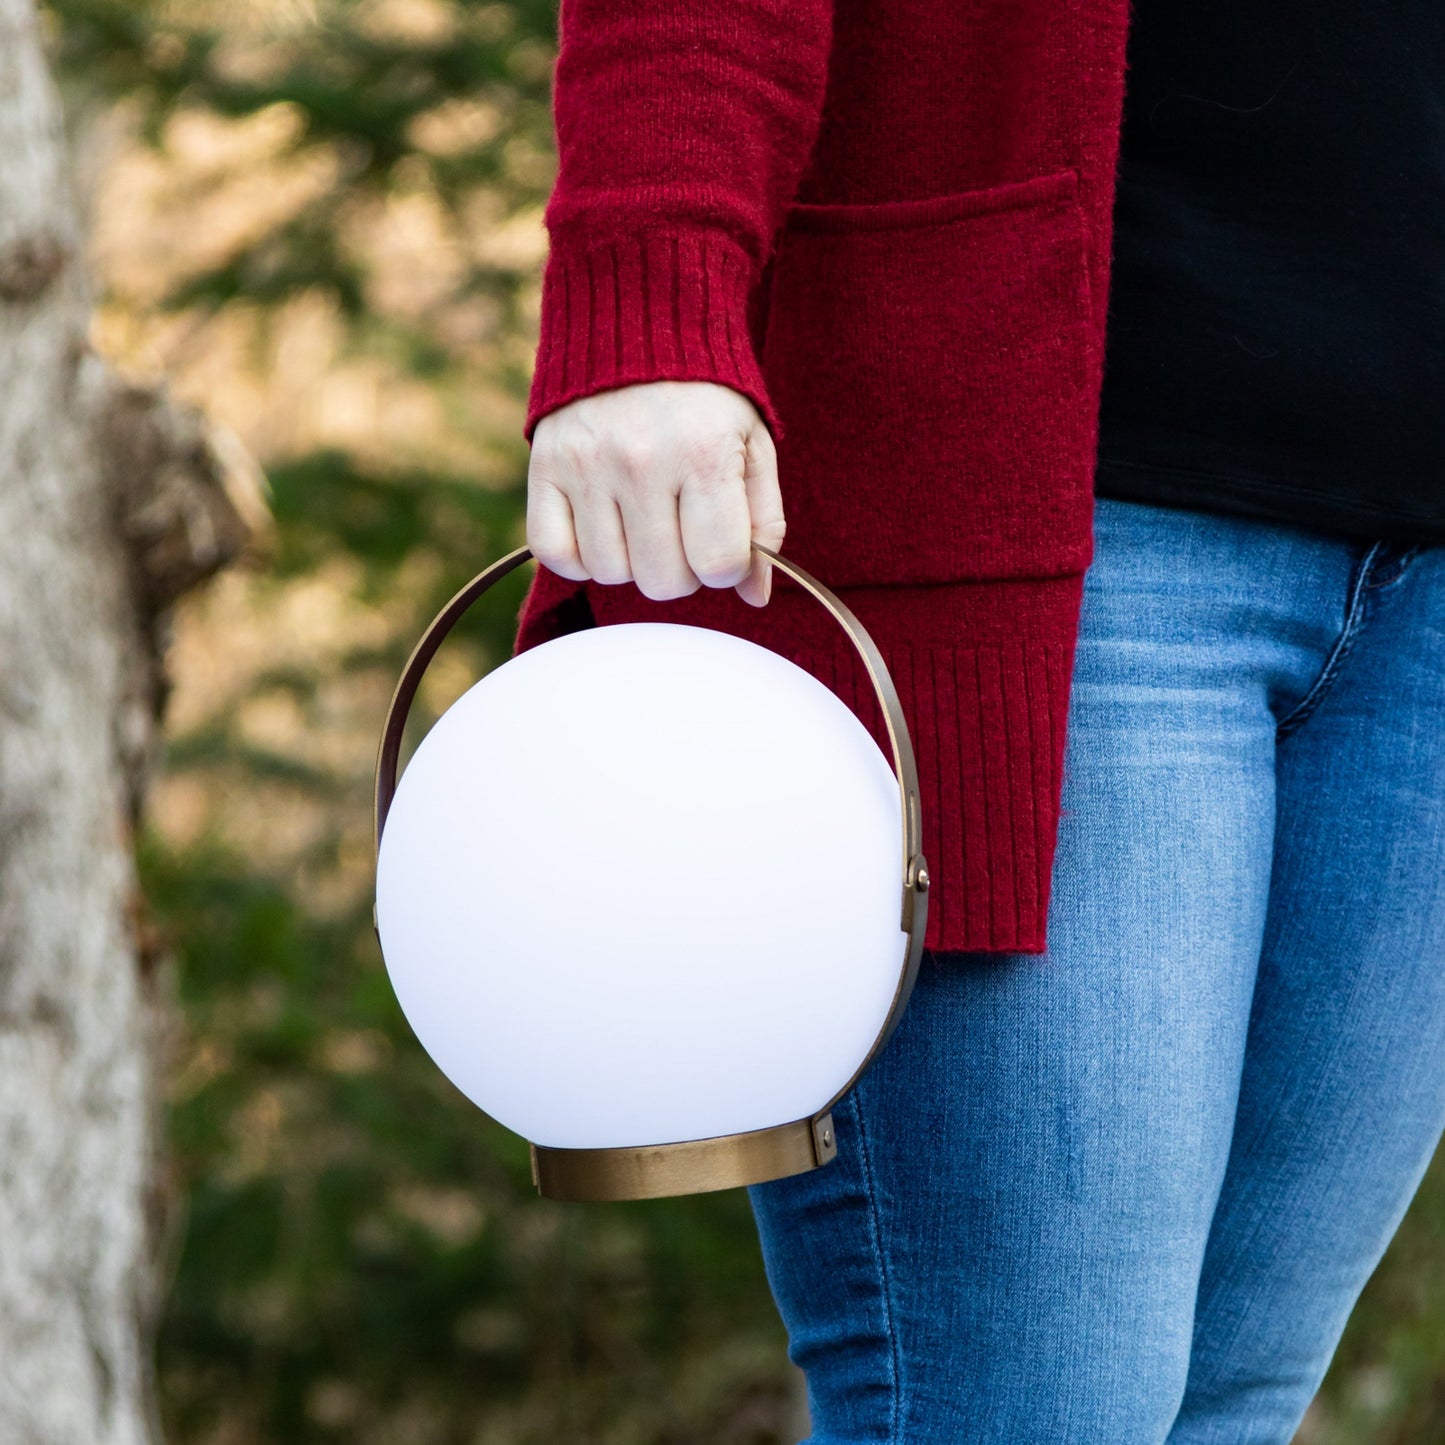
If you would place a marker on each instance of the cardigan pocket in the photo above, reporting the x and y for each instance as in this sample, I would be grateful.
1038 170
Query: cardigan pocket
935 368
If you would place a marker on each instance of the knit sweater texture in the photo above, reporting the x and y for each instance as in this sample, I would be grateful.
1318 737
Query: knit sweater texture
889 227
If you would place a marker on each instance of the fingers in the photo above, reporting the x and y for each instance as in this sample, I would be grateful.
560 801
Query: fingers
662 483
713 510
551 532
601 542
765 508
655 544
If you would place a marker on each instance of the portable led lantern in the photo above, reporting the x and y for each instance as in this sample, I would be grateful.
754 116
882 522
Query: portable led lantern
641 896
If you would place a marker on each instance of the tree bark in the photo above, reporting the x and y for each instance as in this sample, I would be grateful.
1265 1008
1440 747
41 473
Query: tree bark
111 503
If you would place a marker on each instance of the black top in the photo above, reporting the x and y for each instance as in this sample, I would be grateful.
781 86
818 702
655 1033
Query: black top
1276 340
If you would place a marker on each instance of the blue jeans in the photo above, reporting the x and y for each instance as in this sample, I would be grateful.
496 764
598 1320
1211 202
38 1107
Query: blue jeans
1128 1191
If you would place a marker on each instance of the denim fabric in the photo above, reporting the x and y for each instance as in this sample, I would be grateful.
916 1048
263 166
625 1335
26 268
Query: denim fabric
1127 1191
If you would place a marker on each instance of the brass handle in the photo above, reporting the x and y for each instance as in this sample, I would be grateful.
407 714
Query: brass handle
915 873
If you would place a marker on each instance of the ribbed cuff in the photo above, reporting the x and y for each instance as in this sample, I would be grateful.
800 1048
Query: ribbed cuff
652 307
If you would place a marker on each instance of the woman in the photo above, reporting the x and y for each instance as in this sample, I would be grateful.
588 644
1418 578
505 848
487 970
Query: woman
1162 1095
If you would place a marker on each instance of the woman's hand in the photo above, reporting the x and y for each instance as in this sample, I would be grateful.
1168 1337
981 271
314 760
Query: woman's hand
665 483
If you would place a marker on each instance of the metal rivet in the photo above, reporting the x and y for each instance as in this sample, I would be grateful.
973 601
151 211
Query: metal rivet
923 880
827 1136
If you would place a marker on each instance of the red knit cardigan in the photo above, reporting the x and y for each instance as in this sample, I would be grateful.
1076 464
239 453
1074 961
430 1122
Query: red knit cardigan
889 226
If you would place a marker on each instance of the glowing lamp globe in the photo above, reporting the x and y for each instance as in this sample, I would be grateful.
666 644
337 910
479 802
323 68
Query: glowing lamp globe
651 897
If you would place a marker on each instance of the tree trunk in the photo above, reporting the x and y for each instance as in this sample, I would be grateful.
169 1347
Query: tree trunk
111 503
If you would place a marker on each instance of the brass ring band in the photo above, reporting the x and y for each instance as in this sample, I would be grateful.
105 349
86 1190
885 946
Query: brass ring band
694 1167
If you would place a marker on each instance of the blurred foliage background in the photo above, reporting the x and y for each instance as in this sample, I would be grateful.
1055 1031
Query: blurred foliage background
321 220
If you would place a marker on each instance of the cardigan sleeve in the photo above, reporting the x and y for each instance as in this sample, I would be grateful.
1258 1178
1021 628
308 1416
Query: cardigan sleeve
683 127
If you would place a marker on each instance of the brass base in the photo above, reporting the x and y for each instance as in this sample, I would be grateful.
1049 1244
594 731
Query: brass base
654 1171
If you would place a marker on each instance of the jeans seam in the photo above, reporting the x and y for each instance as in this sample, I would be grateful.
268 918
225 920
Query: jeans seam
1354 615
880 1259
1394 577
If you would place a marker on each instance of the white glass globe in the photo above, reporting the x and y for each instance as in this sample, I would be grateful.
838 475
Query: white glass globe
641 884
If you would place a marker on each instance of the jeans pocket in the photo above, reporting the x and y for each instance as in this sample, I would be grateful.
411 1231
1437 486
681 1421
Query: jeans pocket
1388 564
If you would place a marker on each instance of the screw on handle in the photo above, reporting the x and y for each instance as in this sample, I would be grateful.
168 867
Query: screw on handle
915 873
